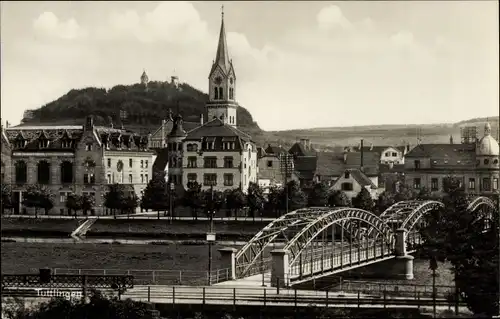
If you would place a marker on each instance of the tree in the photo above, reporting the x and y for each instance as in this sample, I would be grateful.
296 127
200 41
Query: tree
38 196
318 196
88 202
273 200
363 200
73 203
255 199
6 198
384 201
338 199
156 194
117 198
424 194
404 193
455 234
193 198
98 307
235 200
296 197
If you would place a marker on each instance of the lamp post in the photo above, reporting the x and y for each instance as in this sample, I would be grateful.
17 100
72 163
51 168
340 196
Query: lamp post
172 189
210 234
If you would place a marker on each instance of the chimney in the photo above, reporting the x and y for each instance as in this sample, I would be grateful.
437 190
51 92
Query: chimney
361 164
7 124
359 146
391 165
201 119
451 139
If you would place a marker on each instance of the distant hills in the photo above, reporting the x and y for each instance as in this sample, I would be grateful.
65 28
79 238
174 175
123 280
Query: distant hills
141 109
134 106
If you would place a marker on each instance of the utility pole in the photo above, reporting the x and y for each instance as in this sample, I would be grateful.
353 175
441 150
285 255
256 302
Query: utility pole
286 166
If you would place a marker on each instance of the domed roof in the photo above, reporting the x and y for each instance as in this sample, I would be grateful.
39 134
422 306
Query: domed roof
487 146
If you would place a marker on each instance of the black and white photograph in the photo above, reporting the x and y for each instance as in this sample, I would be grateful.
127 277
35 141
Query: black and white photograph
250 159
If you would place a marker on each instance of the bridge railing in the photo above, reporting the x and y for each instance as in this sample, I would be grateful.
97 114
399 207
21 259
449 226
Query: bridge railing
154 277
258 267
392 289
273 297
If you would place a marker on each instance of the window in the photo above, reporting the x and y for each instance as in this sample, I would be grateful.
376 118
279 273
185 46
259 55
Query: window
142 164
346 186
88 147
130 181
89 178
486 184
63 196
269 163
486 161
394 154
146 178
191 178
416 183
192 148
434 184
228 162
43 172
43 143
231 92
387 154
130 162
109 162
228 179
109 178
210 179
66 143
495 161
221 93
192 162
210 162
472 183
21 172
216 93
146 163
495 183
66 172
142 179
347 175
417 164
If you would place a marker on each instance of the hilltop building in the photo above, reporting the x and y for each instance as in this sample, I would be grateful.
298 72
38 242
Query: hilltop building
79 159
475 163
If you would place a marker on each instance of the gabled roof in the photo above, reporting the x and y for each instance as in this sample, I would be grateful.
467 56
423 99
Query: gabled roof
271 149
298 149
380 148
441 150
360 178
216 128
332 164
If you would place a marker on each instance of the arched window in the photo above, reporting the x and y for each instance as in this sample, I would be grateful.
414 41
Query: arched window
43 172
66 172
221 93
21 172
216 93
231 93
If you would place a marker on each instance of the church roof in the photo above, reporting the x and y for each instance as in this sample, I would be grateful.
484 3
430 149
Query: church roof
216 128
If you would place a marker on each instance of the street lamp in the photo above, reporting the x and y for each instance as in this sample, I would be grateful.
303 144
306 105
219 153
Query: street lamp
210 235
172 189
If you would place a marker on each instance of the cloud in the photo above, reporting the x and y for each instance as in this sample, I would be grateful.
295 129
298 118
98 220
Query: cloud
169 22
331 17
49 25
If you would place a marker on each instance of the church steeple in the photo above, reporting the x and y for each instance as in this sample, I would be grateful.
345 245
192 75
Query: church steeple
222 83
222 55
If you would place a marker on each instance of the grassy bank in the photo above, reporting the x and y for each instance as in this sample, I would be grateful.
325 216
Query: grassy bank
38 227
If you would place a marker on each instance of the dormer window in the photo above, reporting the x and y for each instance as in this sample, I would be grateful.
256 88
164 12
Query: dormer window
66 143
347 174
88 147
43 143
20 143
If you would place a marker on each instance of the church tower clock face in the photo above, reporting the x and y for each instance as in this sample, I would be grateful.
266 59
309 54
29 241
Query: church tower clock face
218 80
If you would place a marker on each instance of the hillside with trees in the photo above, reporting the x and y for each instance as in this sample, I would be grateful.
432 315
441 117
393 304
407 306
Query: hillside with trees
134 106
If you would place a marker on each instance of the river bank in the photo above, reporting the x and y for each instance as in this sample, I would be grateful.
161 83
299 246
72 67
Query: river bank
162 229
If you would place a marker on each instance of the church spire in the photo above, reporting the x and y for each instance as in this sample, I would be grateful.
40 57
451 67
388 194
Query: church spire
222 56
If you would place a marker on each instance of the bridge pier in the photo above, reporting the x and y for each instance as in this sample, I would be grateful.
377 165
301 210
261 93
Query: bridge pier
404 261
228 260
279 268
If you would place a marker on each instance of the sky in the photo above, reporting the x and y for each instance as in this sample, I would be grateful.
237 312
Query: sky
298 64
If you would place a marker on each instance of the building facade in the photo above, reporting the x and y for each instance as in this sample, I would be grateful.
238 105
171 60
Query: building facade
270 172
76 159
352 181
475 164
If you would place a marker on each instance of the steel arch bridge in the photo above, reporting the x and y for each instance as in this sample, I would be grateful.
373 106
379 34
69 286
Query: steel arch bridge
320 241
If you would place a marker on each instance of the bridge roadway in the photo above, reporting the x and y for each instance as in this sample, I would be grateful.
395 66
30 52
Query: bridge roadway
268 297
